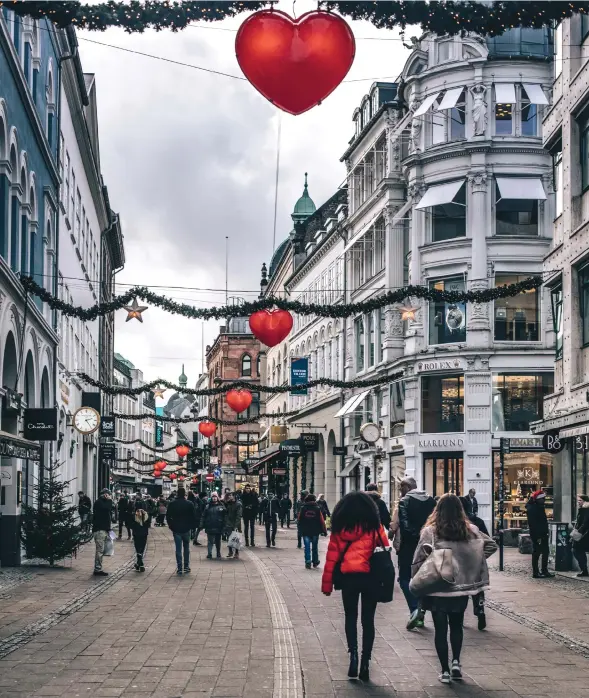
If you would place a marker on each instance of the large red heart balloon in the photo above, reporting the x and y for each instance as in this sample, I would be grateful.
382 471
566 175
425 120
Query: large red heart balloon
239 400
295 63
271 326
207 429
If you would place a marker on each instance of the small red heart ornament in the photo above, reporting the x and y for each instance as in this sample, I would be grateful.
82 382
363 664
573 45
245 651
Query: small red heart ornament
207 429
295 63
271 326
239 400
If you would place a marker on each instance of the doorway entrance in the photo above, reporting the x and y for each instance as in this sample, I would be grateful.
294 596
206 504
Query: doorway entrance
443 472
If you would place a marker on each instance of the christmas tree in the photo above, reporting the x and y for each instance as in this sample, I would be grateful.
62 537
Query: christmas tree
48 529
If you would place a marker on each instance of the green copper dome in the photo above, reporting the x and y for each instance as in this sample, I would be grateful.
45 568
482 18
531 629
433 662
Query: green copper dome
183 379
305 206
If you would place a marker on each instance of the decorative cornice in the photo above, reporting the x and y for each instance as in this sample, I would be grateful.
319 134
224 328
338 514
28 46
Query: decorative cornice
314 259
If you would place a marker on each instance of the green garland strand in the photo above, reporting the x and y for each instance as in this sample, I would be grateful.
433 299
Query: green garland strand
440 17
142 443
236 385
215 420
225 311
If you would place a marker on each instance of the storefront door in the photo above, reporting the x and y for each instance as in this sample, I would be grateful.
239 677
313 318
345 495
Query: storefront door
443 473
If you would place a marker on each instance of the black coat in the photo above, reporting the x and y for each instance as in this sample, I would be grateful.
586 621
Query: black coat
311 522
537 519
102 521
414 510
141 530
285 505
322 504
582 525
181 515
250 504
84 505
474 505
271 508
385 515
213 518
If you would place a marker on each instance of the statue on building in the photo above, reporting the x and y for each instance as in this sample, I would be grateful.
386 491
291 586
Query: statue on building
479 109
415 134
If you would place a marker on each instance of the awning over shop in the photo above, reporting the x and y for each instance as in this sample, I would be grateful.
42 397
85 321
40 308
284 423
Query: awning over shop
505 93
426 104
581 430
450 98
348 469
270 458
440 194
351 404
520 188
535 93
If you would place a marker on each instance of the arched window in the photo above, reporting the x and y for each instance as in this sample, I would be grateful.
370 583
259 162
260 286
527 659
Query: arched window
258 365
246 365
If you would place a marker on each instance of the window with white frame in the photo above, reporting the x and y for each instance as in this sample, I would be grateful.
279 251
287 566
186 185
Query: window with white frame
558 57
360 339
517 318
517 204
556 153
371 340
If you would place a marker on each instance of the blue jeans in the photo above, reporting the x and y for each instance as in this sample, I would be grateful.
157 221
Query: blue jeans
405 560
182 540
311 541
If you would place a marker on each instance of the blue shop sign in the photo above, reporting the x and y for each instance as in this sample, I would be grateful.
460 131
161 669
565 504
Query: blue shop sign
299 374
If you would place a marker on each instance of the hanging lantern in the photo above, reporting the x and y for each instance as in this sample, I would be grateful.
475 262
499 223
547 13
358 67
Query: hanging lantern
181 478
172 476
160 465
271 326
157 473
239 400
182 450
207 429
295 63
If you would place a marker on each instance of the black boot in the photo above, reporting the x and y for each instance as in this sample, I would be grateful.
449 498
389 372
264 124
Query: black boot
364 674
353 670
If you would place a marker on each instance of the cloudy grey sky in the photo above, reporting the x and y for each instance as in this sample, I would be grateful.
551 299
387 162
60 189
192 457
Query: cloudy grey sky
190 157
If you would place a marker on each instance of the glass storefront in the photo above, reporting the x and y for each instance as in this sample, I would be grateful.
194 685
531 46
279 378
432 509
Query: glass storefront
442 404
525 472
580 462
518 399
443 473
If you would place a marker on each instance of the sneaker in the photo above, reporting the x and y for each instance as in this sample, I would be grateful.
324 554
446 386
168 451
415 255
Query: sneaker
268 545
482 624
583 574
209 557
546 574
178 571
308 565
142 568
445 677
218 556
100 573
186 570
420 623
247 545
136 567
316 564
274 543
252 545
229 554
456 670
415 618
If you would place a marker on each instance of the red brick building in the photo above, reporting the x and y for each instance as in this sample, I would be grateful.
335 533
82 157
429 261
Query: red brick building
235 355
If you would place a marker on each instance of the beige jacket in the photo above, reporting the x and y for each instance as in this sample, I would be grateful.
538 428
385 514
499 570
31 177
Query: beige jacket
395 530
471 574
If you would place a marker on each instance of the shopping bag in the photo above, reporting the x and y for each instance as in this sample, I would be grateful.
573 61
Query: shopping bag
109 547
235 541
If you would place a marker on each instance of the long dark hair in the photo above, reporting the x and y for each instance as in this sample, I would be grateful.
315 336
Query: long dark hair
355 510
448 519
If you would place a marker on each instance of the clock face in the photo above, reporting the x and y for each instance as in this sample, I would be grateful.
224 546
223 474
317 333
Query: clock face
370 432
86 420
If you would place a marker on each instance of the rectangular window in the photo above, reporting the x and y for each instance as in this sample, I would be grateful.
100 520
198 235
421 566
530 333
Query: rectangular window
72 204
503 119
444 51
556 301
556 152
583 274
584 143
529 115
397 406
359 335
516 318
380 315
458 119
379 246
372 336
449 219
515 216
447 321
442 404
558 51
438 119
518 399
61 165
358 264
368 251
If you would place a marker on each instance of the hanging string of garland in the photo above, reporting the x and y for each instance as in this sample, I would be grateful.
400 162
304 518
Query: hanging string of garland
142 443
320 310
236 385
149 463
441 17
214 420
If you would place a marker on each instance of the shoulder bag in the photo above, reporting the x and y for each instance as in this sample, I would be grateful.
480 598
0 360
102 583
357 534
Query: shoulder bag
435 575
382 572
338 575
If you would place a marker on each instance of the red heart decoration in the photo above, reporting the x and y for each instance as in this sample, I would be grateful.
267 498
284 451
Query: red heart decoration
271 326
207 429
295 63
239 400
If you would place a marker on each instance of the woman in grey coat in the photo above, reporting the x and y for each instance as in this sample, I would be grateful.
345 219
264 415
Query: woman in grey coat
232 520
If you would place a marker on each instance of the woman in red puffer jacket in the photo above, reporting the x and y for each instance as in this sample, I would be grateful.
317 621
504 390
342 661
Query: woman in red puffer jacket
355 532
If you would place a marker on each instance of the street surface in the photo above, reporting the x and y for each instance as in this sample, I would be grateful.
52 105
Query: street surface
259 627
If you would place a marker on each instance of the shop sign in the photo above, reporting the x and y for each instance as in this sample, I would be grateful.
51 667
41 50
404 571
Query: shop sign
311 442
340 451
279 471
278 434
40 424
159 433
299 375
552 443
214 460
440 365
107 427
16 449
108 451
6 476
529 476
293 447
450 442
65 392
525 443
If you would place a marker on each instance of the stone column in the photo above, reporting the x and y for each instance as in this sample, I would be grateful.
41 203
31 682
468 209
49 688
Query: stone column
393 340
4 189
477 314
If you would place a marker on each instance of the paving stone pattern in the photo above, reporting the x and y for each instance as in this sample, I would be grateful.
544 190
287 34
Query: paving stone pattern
260 628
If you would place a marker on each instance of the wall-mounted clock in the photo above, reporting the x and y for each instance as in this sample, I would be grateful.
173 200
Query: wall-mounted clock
86 420
370 432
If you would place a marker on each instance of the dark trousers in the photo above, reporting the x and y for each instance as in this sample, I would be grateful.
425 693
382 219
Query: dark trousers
478 603
540 550
140 542
285 517
581 558
271 523
351 597
442 621
123 521
249 527
405 559
182 541
159 519
213 539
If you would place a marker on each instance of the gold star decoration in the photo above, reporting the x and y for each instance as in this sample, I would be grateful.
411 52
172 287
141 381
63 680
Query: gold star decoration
407 312
158 392
134 310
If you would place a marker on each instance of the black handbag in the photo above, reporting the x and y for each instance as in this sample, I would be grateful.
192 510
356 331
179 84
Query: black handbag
338 575
382 572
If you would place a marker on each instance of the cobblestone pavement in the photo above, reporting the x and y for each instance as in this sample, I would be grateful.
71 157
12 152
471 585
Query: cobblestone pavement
260 628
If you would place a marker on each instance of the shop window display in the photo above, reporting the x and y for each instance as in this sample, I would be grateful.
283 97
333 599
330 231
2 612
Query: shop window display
519 399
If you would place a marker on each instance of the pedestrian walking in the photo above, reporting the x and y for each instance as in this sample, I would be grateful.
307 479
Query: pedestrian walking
474 505
234 510
124 506
538 525
297 509
261 507
478 601
311 525
271 513
200 506
322 504
140 532
162 507
250 503
191 497
415 506
356 531
285 509
448 529
181 517
384 513
101 527
213 523
84 509
580 534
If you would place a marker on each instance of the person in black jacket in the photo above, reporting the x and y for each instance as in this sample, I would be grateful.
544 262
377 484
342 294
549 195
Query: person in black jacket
581 545
271 513
213 522
101 526
250 502
538 525
181 519
311 525
385 515
84 509
140 532
123 509
478 600
285 509
474 505
297 508
415 506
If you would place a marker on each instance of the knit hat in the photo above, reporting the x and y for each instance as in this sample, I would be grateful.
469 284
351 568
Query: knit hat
539 494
